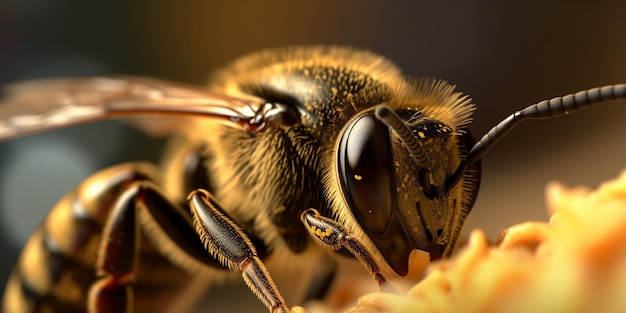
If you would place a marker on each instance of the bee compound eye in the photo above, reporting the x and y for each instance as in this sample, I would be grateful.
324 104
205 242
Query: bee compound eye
365 172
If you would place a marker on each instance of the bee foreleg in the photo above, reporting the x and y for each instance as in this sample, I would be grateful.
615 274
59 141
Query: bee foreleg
227 242
329 233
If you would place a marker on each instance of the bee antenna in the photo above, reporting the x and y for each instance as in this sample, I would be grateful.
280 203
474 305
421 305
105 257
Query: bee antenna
543 110
386 115
546 109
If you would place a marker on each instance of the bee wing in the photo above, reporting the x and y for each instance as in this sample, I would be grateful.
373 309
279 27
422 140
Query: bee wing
40 105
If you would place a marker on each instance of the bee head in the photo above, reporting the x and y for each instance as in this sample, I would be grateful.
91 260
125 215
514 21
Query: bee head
395 169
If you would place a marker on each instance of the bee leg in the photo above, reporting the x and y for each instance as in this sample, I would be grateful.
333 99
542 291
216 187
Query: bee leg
139 205
329 233
117 261
227 242
322 281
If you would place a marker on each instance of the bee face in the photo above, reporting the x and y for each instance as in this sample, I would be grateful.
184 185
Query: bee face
325 149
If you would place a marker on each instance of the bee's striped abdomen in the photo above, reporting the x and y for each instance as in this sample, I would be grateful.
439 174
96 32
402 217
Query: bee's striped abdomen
57 265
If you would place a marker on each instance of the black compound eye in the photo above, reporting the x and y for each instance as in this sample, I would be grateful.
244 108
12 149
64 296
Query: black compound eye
365 172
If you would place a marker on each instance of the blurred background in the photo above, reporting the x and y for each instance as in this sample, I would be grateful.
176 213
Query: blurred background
505 55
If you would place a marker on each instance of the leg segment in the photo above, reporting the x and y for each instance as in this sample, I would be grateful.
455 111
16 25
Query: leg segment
330 233
229 244
318 287
139 206
117 260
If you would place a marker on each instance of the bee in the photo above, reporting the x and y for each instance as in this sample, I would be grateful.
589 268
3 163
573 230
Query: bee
287 151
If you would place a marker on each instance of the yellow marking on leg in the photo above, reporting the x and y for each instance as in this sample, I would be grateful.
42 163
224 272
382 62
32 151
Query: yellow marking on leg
321 234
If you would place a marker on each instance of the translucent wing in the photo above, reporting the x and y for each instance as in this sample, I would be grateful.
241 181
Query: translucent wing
40 105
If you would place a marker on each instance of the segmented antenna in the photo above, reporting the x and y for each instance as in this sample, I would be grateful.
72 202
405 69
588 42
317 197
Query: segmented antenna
386 115
546 109
543 110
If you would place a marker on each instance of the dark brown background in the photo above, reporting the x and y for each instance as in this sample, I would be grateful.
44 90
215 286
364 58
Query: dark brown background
504 55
